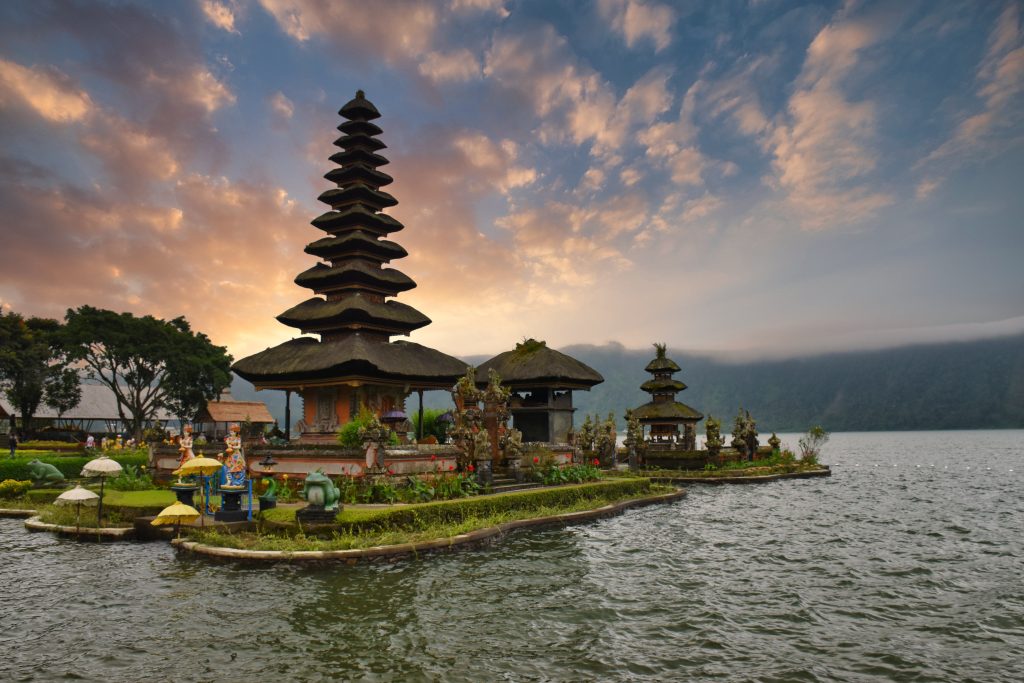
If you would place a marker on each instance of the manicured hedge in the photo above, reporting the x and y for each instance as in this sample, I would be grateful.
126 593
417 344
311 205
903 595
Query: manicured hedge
69 466
454 511
51 446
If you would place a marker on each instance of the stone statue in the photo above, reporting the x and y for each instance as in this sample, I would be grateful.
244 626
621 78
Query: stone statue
185 446
714 436
750 436
44 473
323 497
234 458
775 442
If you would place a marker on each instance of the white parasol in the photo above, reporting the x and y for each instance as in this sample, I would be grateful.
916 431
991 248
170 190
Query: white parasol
102 467
77 497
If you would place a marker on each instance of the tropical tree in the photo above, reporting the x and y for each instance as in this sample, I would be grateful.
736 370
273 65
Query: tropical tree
811 444
63 390
34 358
148 363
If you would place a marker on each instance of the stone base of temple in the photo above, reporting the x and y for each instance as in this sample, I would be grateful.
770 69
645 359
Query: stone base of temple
317 438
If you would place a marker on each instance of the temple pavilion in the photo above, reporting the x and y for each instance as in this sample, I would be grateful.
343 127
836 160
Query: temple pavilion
353 310
664 415
542 381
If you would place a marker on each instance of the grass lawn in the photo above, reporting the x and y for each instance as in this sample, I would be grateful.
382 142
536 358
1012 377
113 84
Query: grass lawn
360 528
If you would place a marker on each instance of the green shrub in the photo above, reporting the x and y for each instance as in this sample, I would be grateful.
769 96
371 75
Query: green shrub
453 511
348 435
133 478
69 466
50 446
11 488
431 426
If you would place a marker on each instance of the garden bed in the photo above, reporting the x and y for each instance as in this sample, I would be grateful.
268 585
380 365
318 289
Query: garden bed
390 544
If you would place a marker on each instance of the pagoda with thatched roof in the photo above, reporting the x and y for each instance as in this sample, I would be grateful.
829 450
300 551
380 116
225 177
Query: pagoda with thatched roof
542 381
354 362
664 414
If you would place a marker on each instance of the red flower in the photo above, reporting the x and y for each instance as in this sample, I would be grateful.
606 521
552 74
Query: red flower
596 461
433 457
390 471
536 460
471 468
451 467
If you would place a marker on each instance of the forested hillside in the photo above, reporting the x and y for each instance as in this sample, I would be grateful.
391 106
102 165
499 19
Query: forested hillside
964 385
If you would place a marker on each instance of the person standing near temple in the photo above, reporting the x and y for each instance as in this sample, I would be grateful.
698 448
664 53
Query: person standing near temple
13 440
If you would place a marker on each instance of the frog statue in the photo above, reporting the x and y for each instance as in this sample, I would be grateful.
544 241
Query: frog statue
44 473
320 491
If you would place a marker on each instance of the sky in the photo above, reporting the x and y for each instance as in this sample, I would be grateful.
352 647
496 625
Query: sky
748 177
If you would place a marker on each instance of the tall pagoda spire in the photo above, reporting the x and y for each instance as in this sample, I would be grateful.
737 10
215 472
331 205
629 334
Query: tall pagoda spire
351 281
353 309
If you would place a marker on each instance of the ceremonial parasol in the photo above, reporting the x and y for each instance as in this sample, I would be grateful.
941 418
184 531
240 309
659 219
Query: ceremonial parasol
176 514
77 497
101 467
201 466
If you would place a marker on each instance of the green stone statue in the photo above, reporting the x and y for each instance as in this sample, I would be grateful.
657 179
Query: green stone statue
320 492
44 473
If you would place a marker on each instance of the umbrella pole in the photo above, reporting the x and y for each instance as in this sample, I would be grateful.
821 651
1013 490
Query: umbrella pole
99 510
78 521
206 502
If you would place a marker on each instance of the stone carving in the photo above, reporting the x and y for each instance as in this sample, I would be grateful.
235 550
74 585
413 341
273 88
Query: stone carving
44 473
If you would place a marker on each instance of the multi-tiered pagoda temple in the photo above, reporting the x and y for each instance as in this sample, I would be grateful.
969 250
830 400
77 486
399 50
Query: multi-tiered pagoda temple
354 363
664 414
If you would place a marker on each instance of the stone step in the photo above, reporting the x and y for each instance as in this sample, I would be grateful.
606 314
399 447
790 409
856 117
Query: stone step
505 488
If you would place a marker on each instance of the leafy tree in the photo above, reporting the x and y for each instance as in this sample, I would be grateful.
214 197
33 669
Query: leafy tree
431 425
34 360
63 390
148 363
811 444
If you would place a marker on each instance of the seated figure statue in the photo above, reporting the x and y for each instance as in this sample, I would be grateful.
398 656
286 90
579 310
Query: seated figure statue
234 469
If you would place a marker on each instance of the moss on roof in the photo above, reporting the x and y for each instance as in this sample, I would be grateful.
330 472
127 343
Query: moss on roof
533 364
668 411
653 385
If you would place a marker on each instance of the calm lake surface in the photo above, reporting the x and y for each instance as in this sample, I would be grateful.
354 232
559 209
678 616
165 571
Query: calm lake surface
913 572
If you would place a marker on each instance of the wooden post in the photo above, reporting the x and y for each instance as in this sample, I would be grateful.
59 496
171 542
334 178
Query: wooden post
419 426
287 414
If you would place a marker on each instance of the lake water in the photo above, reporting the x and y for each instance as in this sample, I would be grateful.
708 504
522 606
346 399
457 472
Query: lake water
906 565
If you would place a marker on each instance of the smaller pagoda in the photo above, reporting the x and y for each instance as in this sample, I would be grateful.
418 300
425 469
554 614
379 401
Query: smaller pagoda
664 414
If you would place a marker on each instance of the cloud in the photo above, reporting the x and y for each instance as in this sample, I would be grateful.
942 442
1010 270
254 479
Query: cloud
45 90
393 31
457 66
573 101
636 20
220 14
823 145
281 107
999 82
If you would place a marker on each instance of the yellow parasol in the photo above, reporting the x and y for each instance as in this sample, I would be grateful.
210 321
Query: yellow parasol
176 514
201 466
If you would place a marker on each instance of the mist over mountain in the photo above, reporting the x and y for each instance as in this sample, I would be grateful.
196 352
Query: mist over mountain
957 385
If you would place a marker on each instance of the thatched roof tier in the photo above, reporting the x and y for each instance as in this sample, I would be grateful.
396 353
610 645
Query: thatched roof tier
352 360
354 244
360 141
353 312
662 385
667 412
359 108
236 411
357 274
662 364
358 156
356 218
359 128
357 194
532 365
357 173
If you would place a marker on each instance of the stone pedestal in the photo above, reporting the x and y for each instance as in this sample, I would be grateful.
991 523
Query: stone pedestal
484 472
185 493
313 514
231 506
